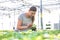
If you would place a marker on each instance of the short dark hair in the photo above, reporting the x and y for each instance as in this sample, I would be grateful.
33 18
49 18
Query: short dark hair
33 8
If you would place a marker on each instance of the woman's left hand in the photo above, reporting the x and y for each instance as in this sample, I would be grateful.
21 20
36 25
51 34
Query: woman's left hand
29 25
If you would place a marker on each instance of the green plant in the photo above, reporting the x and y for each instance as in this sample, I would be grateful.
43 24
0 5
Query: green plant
33 27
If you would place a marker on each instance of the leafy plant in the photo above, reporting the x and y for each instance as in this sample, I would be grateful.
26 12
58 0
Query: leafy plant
33 27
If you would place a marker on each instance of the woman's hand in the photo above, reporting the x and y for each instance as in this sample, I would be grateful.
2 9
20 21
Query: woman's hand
29 25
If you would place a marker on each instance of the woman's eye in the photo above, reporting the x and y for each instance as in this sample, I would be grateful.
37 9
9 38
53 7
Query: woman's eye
33 13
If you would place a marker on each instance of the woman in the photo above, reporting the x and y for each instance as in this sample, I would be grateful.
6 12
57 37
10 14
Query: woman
25 20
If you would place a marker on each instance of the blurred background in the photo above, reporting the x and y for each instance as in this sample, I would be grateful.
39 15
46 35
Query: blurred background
47 15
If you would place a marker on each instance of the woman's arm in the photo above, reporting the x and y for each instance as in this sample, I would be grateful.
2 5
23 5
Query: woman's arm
19 25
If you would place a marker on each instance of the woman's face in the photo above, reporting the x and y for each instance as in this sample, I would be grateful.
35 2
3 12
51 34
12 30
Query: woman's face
32 13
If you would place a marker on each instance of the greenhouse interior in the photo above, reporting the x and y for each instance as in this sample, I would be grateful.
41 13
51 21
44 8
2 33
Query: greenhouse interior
46 25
